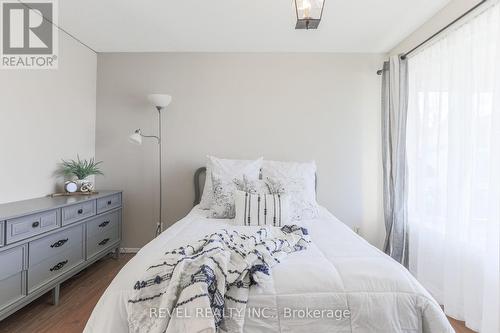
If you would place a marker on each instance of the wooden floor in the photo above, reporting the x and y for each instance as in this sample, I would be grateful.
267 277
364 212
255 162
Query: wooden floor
78 297
459 326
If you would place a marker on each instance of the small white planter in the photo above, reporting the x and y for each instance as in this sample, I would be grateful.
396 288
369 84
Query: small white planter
84 185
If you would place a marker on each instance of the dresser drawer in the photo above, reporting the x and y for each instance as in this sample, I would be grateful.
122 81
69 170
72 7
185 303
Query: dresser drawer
101 241
2 235
11 261
53 267
12 289
54 244
12 276
103 223
31 225
78 212
109 202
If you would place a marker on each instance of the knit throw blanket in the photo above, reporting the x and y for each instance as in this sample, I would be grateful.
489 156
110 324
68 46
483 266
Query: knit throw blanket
204 286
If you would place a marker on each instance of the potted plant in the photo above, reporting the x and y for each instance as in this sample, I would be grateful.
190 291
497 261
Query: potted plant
81 169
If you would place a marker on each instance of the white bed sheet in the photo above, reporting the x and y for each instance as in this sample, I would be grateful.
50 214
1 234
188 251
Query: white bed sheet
340 271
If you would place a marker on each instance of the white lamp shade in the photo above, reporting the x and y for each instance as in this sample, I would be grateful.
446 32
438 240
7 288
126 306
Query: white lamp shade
160 100
135 138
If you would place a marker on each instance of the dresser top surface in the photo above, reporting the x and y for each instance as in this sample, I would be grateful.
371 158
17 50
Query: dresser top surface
20 208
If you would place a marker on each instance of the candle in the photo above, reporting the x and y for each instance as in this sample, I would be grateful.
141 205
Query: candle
306 6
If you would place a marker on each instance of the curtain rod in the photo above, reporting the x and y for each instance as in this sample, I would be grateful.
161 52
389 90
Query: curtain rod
404 55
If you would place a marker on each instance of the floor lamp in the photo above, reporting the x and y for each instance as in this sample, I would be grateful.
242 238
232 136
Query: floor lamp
160 102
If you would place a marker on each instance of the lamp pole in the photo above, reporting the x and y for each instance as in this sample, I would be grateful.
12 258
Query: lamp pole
160 102
160 223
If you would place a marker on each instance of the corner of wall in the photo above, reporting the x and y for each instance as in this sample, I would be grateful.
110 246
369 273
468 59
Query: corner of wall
447 14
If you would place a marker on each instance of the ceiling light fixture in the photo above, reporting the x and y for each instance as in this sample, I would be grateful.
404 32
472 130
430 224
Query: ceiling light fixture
309 13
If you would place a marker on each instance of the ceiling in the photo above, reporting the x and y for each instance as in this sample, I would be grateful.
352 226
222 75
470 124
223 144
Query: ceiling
371 26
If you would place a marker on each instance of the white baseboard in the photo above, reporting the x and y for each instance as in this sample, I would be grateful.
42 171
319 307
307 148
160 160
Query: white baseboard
129 249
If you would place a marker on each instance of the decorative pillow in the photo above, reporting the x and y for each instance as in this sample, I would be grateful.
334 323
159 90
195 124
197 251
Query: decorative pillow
261 209
298 180
229 169
274 186
223 194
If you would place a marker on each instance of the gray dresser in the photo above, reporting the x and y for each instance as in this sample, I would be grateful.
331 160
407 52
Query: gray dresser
45 241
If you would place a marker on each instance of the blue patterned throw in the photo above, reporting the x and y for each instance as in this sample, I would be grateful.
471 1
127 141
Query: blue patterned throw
204 286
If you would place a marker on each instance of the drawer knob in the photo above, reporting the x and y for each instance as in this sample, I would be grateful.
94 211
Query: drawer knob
104 241
103 224
59 243
109 202
80 211
59 266
35 224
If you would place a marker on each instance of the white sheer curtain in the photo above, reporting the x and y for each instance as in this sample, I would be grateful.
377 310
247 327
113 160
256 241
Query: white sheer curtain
453 147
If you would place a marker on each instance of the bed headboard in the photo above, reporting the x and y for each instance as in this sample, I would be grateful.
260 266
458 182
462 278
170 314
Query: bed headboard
200 175
198 189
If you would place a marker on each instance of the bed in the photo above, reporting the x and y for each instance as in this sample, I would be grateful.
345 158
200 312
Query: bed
339 272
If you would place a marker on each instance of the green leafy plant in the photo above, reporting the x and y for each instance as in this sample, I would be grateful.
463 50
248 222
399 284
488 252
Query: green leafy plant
81 168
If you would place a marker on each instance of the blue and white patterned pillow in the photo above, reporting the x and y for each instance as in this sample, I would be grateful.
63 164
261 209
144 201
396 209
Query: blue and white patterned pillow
254 209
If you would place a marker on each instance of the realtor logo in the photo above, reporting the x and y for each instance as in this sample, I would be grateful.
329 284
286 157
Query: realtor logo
29 35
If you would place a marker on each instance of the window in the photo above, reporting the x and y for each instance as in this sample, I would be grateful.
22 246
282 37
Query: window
453 150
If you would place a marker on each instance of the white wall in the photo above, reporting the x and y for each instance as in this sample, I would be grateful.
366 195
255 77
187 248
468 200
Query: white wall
450 12
281 106
45 115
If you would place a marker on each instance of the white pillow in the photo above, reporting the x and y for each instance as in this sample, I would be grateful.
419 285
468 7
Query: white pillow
261 209
224 190
298 180
227 169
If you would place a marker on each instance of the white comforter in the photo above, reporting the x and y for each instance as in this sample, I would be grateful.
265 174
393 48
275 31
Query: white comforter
340 284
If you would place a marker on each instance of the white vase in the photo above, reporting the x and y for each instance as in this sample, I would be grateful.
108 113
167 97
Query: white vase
88 185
